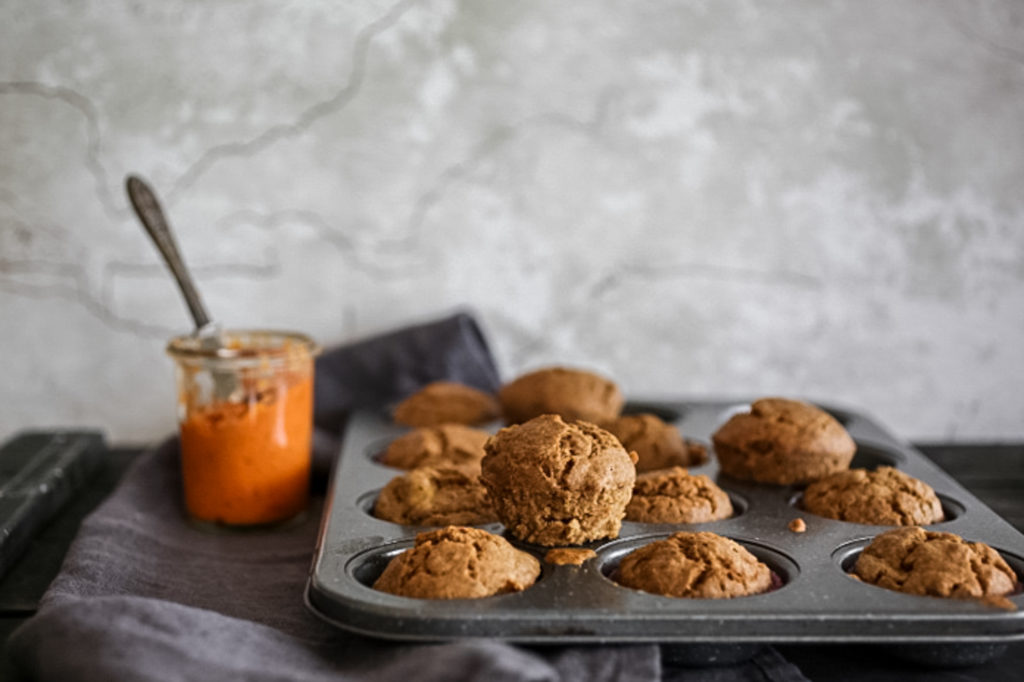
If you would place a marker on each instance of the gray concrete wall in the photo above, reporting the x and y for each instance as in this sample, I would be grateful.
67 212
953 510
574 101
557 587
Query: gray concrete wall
798 198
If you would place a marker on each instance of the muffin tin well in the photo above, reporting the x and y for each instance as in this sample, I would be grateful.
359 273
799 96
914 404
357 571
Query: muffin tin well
817 602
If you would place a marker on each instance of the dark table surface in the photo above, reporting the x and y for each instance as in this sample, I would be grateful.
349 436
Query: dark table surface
995 473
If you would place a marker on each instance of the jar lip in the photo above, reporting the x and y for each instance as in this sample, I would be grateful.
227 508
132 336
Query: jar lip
243 344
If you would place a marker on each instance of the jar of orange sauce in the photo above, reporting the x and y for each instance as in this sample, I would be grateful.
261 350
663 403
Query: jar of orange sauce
245 414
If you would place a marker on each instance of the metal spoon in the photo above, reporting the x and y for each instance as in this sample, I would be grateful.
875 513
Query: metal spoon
147 208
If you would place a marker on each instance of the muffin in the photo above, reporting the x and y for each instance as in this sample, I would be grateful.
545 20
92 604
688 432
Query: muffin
458 563
657 445
447 402
696 566
924 562
571 393
782 442
883 497
677 496
448 445
431 496
557 483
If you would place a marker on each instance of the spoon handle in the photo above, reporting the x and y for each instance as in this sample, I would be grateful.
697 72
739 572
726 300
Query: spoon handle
148 209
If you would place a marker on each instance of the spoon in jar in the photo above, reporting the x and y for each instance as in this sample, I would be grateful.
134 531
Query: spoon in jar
147 208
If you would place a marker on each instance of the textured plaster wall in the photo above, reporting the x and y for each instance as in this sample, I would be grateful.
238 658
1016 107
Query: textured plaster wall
823 199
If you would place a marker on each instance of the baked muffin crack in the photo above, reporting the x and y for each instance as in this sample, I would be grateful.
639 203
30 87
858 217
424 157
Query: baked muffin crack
458 563
932 563
554 482
695 565
884 496
676 496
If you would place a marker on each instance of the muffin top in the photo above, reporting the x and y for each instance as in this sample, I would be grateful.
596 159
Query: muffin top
658 445
447 402
782 441
571 393
448 445
557 483
431 496
458 563
884 497
677 496
924 562
695 565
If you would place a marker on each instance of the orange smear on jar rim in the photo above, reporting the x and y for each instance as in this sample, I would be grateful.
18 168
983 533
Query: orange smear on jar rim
249 463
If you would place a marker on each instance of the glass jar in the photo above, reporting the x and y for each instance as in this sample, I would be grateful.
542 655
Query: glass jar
245 414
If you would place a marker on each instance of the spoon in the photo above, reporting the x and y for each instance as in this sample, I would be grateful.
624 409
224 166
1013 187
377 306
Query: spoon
151 215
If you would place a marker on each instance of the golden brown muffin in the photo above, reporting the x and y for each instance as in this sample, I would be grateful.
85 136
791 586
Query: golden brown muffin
884 497
448 445
569 556
571 393
556 483
657 444
783 442
694 565
677 496
924 562
447 402
431 496
458 563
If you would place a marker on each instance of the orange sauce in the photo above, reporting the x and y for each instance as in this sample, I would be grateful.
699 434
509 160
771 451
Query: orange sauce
249 462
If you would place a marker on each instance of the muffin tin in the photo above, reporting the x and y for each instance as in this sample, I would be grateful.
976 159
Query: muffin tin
818 601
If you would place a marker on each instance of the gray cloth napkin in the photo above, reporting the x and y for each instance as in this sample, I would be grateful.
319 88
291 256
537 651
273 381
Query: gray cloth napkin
144 596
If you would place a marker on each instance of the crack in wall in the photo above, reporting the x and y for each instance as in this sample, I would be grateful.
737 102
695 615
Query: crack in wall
100 305
88 110
253 271
974 34
492 145
248 148
620 274
324 230
208 158
114 270
75 289
623 274
76 292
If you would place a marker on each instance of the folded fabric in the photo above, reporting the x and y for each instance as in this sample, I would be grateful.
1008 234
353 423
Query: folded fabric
144 596
378 372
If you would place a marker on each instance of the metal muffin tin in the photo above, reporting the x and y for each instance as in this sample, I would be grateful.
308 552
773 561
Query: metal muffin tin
818 602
